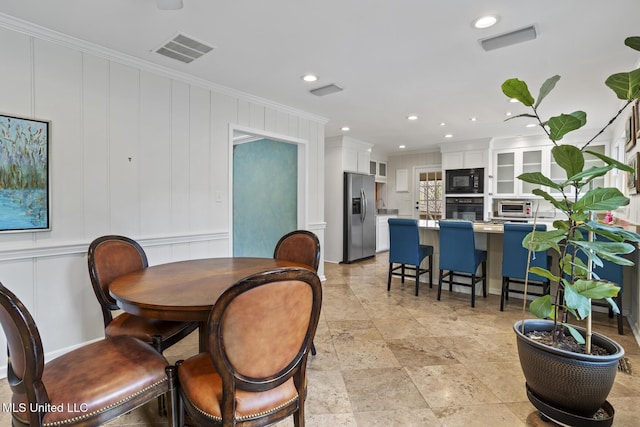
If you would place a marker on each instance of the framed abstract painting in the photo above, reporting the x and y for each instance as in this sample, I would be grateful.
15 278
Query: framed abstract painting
25 191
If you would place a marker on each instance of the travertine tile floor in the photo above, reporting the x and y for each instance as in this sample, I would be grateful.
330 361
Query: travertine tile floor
394 359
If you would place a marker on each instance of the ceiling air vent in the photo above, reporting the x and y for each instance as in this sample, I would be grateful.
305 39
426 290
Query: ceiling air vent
183 48
326 90
508 39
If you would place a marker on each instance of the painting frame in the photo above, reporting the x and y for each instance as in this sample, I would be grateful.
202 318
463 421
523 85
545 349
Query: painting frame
633 178
25 174
631 128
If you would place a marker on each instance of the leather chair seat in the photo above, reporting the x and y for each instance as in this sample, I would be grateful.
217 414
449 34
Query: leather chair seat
200 381
142 328
82 384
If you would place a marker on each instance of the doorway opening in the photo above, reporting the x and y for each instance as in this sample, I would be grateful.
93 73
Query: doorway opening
268 190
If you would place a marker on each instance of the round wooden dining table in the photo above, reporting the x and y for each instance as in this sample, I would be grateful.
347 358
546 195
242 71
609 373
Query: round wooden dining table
186 290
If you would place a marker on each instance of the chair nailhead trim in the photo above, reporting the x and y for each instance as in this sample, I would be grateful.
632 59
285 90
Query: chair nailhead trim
92 413
246 417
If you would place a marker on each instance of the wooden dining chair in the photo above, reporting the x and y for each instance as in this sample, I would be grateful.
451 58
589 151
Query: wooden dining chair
259 336
300 246
110 257
87 386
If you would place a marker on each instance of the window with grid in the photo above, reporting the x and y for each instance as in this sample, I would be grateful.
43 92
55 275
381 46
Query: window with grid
430 195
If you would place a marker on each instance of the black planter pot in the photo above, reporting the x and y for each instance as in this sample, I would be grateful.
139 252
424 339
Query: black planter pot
570 382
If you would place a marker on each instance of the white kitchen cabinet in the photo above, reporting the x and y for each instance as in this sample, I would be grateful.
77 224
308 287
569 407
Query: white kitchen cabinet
355 160
382 232
509 164
379 169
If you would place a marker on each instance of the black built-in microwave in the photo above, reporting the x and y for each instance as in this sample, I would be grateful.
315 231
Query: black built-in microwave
464 181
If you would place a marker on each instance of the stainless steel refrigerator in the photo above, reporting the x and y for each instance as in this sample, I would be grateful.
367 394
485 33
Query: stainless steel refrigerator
359 217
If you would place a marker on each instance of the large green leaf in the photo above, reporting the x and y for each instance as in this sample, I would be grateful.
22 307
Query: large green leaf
543 240
591 173
546 87
543 272
541 307
613 232
517 89
575 300
633 42
625 85
601 199
594 289
569 158
560 204
560 125
538 178
613 162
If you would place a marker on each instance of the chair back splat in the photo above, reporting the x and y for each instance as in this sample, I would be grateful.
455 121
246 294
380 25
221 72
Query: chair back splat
260 333
405 249
299 246
303 247
129 372
460 258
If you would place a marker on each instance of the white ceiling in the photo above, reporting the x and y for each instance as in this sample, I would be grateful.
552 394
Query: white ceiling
393 57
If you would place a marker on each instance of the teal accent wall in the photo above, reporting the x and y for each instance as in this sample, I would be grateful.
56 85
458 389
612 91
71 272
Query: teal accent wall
265 194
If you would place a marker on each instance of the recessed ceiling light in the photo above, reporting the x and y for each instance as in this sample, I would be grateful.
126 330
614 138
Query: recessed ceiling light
309 78
412 117
531 125
345 128
474 119
442 123
402 146
508 113
485 21
513 100
448 135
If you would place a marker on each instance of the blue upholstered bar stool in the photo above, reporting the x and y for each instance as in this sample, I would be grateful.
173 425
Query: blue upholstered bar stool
514 262
613 273
460 258
405 249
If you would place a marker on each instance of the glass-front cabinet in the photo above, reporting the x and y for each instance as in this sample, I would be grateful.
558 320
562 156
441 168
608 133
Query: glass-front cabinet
510 164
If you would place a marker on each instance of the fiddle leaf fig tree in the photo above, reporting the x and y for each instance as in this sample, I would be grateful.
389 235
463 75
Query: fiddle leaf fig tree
578 236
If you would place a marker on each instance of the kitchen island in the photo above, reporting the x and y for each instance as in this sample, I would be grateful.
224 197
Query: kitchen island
489 237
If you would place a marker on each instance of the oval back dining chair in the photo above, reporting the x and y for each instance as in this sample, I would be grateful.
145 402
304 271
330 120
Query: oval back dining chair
460 258
260 332
110 257
299 246
514 263
405 249
87 386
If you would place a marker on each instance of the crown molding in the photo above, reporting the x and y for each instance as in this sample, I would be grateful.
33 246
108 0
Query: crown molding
46 34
